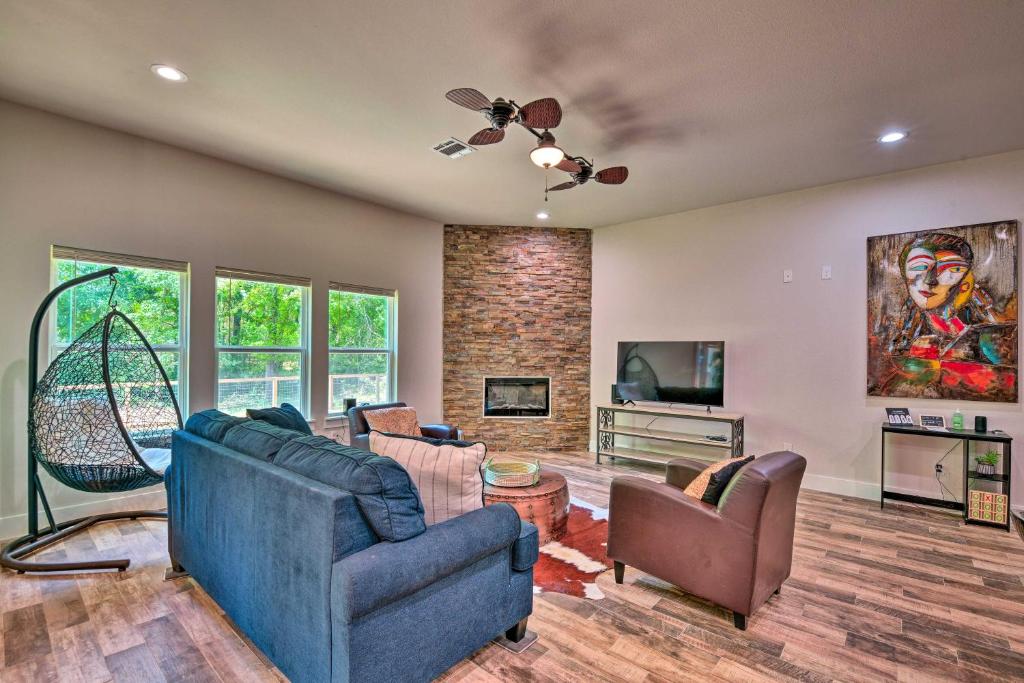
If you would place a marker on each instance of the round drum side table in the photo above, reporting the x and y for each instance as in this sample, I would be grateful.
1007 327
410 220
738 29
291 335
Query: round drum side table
545 504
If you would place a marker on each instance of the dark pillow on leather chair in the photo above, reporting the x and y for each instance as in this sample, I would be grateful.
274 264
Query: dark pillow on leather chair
721 478
285 417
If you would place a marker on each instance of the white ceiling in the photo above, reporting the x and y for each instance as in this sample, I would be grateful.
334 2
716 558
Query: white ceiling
706 101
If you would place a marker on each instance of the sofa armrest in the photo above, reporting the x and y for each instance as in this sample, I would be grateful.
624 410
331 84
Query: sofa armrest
359 441
526 549
440 431
387 572
681 471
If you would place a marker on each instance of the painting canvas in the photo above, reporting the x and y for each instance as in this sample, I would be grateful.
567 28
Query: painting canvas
942 313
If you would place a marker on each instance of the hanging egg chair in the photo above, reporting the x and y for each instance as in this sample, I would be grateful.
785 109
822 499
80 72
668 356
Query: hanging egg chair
103 413
100 420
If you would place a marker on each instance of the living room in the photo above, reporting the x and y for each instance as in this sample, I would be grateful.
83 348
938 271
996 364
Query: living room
803 217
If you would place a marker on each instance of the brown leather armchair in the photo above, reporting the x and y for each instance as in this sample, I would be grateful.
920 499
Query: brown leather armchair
736 554
359 430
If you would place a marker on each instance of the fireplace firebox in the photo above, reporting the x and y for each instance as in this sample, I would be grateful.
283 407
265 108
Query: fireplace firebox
517 396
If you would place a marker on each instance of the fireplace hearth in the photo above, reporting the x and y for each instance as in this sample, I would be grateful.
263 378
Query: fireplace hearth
517 397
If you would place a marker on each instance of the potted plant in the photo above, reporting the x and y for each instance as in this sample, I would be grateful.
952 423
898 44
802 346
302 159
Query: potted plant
987 463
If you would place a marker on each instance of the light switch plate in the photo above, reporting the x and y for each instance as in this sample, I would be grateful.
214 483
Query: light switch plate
787 276
826 272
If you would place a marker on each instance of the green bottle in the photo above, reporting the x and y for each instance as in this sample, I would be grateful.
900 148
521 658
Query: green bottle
958 419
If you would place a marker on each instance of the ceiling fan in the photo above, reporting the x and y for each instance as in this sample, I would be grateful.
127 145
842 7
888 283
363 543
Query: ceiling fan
582 172
544 113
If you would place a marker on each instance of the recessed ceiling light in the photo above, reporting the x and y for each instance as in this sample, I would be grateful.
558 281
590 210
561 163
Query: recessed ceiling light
543 215
892 136
169 73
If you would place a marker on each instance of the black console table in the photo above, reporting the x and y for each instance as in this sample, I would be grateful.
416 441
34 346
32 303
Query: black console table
966 436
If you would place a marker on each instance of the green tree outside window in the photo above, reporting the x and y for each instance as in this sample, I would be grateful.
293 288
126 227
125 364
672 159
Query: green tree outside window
361 348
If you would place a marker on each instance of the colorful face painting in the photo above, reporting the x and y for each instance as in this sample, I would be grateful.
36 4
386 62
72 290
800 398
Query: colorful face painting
942 313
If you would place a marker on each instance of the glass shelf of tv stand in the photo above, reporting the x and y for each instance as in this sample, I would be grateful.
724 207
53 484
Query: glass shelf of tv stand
666 435
608 430
653 457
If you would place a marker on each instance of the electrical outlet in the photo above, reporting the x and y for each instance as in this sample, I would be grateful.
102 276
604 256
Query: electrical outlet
826 272
938 468
786 446
787 276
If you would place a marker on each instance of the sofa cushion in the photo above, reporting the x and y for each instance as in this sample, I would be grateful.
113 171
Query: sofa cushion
386 495
286 417
398 420
259 439
212 424
446 472
709 484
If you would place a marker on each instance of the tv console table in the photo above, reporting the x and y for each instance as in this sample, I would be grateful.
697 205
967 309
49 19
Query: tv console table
608 430
966 436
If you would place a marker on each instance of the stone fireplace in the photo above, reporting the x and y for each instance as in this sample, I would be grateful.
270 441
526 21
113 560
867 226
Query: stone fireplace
517 397
517 306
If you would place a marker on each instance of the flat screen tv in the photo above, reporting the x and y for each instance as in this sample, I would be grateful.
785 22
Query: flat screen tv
691 372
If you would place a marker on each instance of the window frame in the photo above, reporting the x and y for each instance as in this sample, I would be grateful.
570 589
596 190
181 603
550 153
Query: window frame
305 324
390 333
54 347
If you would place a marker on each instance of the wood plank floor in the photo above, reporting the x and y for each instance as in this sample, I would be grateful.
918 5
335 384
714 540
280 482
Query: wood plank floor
907 594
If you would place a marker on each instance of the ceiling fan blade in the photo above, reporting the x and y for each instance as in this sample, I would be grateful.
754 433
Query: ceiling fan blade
545 113
562 186
488 136
568 165
616 175
470 98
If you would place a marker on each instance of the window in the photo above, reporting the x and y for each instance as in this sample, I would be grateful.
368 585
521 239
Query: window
152 292
361 329
262 340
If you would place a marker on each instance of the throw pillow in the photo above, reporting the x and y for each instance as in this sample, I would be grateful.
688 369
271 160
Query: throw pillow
446 472
394 421
383 490
286 417
709 484
212 424
259 439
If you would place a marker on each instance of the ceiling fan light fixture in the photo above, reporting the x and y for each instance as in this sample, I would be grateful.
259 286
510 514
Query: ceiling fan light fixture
546 154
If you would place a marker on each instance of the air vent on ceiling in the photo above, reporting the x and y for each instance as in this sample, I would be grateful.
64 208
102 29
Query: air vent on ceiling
453 149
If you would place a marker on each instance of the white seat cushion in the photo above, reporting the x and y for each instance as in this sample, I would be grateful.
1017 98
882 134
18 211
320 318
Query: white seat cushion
157 459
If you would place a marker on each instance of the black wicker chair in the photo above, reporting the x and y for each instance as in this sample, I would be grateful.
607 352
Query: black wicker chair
103 414
100 420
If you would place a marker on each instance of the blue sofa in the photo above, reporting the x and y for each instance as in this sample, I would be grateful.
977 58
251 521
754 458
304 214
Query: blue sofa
299 565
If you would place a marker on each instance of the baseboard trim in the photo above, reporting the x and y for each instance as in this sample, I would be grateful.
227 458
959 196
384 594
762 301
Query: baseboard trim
842 487
16 525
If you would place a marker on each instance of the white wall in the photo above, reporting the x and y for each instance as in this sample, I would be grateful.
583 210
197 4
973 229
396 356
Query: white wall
70 183
796 353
